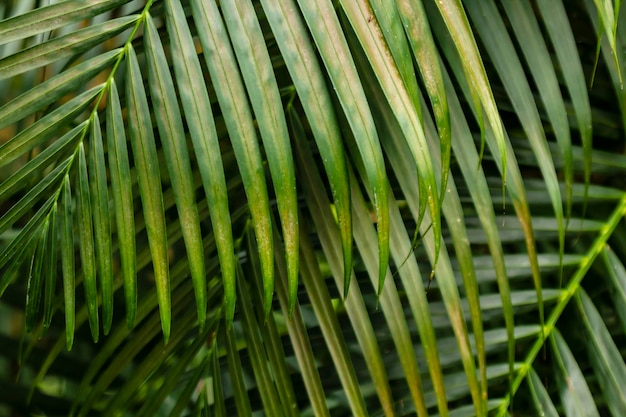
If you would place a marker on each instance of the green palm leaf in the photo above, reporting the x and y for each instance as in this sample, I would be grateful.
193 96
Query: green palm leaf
149 151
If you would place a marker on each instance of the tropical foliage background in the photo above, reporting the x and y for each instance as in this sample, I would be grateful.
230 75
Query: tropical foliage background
188 187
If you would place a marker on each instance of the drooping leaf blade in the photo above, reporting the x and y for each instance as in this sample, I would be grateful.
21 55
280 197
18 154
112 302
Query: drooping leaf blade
564 44
329 237
459 29
483 200
51 267
121 188
262 88
425 52
101 222
231 96
388 15
535 51
172 136
328 35
199 117
256 349
607 16
467 158
66 242
233 360
303 65
276 357
35 282
84 218
404 109
330 327
299 337
149 180
510 70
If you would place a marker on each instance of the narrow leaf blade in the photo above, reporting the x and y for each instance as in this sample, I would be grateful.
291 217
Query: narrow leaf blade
199 117
304 68
102 224
87 248
232 98
50 271
62 47
329 38
149 180
53 16
66 241
174 144
121 188
262 88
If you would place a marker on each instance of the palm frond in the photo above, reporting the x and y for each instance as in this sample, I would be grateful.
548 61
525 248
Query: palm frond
183 161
